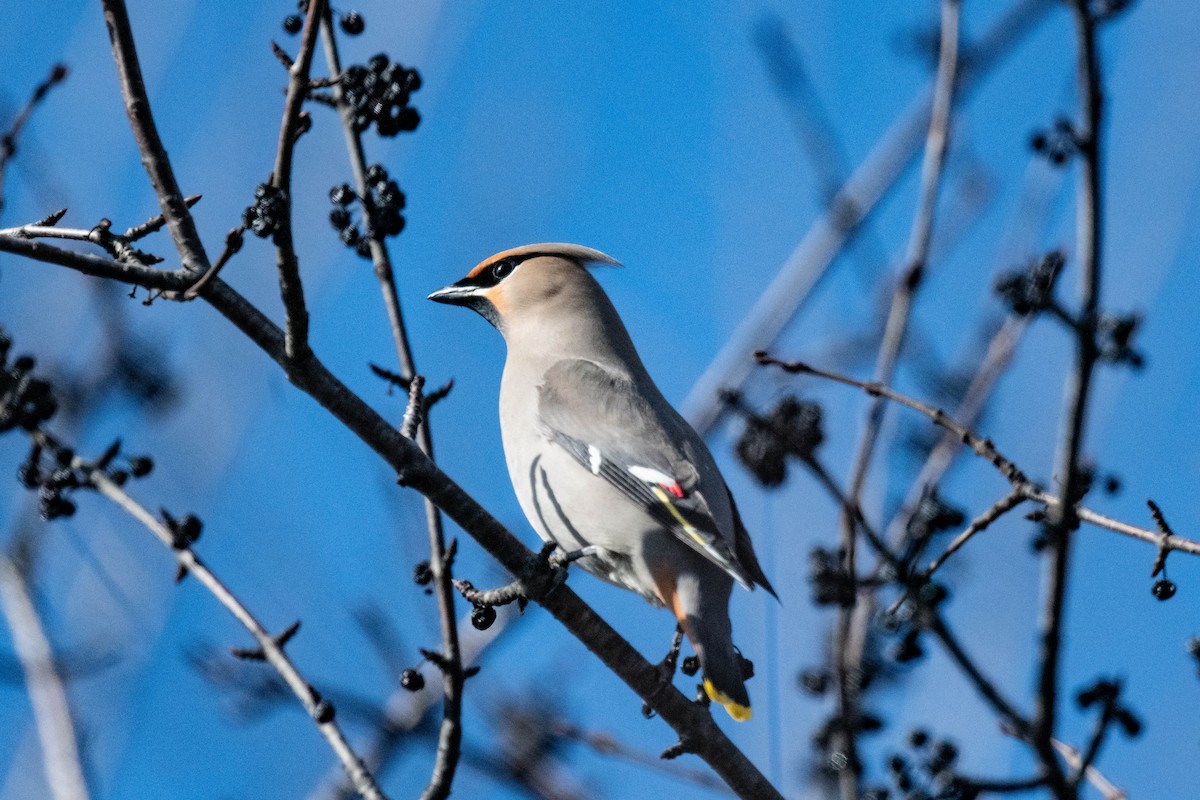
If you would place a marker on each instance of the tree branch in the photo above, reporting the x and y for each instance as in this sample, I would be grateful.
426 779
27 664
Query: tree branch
47 694
271 647
154 155
291 289
8 142
450 736
932 169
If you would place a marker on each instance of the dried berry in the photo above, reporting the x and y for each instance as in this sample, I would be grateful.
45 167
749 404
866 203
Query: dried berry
412 680
482 617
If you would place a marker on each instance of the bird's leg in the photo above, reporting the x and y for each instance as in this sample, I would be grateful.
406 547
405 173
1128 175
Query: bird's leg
666 668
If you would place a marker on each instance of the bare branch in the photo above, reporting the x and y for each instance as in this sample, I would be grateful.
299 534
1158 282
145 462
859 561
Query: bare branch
450 735
889 352
145 133
51 709
986 449
290 287
8 142
1062 517
870 182
270 646
980 523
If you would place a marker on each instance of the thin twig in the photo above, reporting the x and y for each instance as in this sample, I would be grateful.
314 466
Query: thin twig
986 450
1062 517
291 289
145 133
986 688
270 646
932 169
866 187
450 736
1107 789
47 694
980 523
8 142
233 243
609 745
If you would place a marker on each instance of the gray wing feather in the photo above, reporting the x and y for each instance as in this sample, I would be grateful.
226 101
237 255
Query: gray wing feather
600 418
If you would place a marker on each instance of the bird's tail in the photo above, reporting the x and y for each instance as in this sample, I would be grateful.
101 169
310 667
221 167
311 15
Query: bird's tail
705 619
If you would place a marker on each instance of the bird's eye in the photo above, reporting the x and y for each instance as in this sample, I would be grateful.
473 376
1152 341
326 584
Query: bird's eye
502 268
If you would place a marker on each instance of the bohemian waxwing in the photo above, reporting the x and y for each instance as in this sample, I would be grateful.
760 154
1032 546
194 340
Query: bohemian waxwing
599 459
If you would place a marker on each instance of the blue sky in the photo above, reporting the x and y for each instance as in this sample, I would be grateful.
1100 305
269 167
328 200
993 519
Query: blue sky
652 133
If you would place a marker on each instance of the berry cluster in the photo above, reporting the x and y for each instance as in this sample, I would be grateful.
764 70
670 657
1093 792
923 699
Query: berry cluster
1057 144
931 516
25 401
828 579
379 93
268 213
381 210
1032 289
351 21
911 618
929 774
792 428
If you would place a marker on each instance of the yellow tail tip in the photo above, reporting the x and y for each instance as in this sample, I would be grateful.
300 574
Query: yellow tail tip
739 712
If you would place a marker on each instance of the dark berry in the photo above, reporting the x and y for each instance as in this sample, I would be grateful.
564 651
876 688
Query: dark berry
352 23
190 528
482 617
339 218
140 466
292 24
422 573
690 666
376 173
342 194
918 738
1163 589
412 680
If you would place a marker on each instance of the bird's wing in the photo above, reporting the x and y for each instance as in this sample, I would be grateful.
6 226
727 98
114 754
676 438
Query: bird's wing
600 418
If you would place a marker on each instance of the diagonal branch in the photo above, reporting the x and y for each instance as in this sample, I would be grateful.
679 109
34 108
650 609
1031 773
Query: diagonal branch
8 142
145 132
416 470
862 192
986 449
47 694
270 646
932 169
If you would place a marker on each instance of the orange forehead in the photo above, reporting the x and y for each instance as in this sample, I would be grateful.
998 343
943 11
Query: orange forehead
487 262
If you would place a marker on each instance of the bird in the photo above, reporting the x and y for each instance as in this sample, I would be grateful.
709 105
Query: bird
600 461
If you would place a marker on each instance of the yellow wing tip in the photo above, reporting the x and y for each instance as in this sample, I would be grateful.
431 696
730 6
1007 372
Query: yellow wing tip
739 712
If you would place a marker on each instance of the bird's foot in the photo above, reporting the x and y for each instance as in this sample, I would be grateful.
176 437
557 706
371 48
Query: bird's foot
665 669
541 576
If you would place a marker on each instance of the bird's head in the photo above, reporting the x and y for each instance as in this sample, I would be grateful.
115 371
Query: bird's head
522 282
